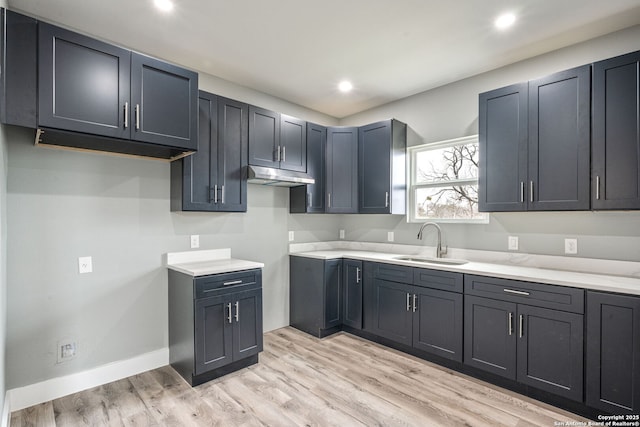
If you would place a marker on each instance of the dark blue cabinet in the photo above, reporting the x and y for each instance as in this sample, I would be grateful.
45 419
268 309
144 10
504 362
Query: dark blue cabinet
310 198
342 170
616 133
214 178
352 292
277 140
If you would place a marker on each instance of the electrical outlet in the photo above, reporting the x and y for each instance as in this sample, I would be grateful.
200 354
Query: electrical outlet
513 243
390 236
342 234
85 265
571 246
291 236
67 350
195 241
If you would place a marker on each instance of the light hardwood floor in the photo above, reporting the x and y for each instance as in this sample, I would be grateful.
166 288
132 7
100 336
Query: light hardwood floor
340 380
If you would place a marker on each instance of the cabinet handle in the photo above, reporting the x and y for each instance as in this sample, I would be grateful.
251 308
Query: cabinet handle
284 153
510 324
233 282
229 316
126 115
237 311
597 187
358 278
414 302
222 194
137 116
310 197
278 154
386 199
215 194
329 202
521 191
408 302
511 291
531 191
521 327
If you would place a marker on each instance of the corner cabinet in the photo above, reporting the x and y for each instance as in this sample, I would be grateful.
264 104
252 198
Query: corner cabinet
315 295
342 170
140 99
613 352
214 178
310 198
381 168
535 144
352 278
616 133
215 323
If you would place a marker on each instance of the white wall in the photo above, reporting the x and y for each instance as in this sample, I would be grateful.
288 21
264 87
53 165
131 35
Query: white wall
3 263
451 111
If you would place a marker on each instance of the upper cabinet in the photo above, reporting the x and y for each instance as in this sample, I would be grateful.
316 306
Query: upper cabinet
276 140
342 170
535 144
616 133
381 167
214 179
310 198
94 95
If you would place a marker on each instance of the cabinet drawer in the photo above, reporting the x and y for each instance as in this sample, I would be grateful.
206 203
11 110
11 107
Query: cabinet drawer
436 279
207 285
537 294
393 273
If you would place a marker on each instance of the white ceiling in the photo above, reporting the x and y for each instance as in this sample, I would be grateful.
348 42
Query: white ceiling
299 50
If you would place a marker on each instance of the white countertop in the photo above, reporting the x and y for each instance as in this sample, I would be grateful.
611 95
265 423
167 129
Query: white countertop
601 282
203 263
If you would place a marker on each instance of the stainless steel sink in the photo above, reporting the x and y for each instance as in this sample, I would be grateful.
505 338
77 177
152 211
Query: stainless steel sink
440 261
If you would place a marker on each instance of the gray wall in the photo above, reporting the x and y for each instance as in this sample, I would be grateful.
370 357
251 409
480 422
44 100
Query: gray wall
63 204
3 261
451 111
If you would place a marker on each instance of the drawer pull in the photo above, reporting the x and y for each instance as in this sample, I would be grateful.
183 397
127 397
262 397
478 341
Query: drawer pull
511 291
233 282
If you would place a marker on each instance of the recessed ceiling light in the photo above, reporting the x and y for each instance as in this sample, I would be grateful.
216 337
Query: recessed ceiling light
504 21
345 86
164 5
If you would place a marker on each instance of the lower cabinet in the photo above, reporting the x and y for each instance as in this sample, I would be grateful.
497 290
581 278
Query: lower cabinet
215 323
536 346
315 295
613 352
352 293
426 318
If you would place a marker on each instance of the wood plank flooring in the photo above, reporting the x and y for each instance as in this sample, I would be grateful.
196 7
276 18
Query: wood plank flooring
340 380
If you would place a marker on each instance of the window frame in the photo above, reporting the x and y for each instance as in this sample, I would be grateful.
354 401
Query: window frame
413 185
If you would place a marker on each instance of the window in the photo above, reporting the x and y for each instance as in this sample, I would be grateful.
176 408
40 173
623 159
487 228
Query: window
444 182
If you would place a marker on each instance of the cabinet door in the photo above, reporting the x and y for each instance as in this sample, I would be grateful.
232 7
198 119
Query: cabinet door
616 133
247 323
489 335
264 137
352 283
83 84
293 144
316 167
342 170
560 140
213 333
374 168
164 98
332 293
392 317
232 129
503 149
437 322
550 350
613 353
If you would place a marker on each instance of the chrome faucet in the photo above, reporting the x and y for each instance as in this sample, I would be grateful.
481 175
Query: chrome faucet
439 250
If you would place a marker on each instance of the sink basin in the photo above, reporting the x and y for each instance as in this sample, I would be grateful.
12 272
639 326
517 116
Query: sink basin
441 261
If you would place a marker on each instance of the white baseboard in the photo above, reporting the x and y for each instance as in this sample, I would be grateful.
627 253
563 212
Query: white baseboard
5 421
23 397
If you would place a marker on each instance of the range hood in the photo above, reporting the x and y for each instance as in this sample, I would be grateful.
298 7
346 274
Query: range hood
277 177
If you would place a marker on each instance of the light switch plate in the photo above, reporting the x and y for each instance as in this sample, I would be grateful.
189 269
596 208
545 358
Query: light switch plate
85 265
571 246
513 243
342 234
390 236
291 236
195 241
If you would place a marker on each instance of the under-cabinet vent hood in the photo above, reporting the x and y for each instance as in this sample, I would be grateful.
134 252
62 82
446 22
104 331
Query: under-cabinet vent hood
277 177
